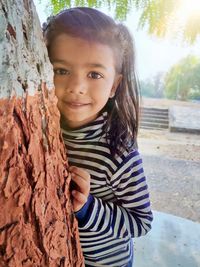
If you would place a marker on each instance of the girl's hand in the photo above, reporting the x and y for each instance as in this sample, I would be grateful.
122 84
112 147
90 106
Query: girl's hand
80 185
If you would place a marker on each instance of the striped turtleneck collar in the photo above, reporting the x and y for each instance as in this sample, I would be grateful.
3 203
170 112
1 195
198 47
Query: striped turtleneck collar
91 130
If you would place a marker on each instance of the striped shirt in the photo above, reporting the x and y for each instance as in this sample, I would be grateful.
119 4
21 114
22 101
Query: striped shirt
118 207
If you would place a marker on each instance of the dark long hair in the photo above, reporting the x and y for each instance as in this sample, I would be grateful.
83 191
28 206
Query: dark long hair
123 109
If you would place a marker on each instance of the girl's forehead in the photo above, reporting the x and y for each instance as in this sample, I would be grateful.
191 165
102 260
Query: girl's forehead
68 40
74 49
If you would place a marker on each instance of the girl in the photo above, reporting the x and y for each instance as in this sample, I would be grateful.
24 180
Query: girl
97 91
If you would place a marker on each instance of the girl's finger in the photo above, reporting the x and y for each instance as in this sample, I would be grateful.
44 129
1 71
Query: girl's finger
79 171
79 197
82 184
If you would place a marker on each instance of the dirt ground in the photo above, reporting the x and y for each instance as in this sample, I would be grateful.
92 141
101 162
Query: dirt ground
176 145
172 166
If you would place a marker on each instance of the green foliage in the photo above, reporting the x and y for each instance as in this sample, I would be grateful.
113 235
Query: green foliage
121 8
153 87
147 88
192 29
160 18
183 80
156 15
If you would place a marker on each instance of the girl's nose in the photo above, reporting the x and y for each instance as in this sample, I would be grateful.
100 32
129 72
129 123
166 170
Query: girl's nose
76 85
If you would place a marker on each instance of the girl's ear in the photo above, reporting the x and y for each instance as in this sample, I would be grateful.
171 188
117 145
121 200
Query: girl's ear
116 83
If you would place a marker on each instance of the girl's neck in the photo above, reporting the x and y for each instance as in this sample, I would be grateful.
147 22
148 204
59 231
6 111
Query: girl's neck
76 126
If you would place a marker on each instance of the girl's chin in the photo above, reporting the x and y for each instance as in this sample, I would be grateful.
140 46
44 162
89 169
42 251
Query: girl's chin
76 122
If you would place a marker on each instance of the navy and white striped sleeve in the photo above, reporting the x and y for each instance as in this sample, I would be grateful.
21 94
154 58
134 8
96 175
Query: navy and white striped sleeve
130 215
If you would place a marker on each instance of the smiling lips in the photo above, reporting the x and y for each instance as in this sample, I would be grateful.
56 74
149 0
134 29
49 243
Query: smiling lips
75 105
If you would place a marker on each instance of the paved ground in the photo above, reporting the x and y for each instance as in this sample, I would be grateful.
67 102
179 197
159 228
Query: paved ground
172 242
172 167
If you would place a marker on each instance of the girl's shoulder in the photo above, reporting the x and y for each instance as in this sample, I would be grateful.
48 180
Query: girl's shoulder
127 155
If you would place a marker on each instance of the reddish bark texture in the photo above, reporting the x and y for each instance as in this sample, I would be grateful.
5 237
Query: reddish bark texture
37 226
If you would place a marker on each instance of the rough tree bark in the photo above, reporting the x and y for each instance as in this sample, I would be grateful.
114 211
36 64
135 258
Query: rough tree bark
37 225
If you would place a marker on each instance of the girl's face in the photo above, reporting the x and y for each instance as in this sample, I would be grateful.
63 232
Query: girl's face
84 78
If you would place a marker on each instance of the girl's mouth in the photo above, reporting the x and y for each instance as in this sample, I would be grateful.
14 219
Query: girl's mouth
76 105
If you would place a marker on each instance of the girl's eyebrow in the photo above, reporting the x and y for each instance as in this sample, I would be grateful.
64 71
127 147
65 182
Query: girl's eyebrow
96 65
59 61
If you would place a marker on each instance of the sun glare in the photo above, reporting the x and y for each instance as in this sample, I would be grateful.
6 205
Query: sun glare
186 9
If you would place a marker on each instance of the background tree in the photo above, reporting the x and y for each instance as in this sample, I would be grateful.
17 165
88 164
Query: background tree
37 225
195 91
153 87
161 17
182 82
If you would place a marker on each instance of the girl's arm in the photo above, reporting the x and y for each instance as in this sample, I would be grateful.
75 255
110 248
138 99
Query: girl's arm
130 215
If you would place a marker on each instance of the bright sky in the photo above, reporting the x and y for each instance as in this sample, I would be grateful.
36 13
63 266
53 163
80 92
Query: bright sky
153 55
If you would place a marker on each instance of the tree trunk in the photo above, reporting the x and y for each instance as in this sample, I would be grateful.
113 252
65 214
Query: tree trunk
37 225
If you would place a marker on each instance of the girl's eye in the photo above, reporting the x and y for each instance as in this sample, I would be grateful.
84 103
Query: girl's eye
95 75
61 71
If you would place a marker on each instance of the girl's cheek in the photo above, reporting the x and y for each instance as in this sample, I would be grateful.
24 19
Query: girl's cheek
55 82
57 92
